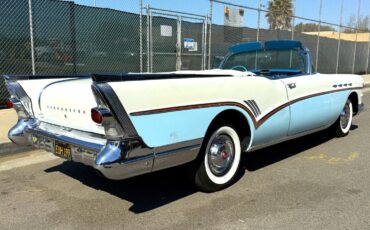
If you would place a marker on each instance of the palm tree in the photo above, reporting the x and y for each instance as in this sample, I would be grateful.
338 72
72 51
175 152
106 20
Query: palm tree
280 14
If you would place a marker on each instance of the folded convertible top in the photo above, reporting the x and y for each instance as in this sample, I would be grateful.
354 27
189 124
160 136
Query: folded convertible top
113 77
150 76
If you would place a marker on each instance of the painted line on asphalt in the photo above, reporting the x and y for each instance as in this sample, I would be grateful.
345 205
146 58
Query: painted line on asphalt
22 161
333 159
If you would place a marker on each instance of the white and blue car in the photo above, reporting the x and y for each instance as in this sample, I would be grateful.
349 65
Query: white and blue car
125 125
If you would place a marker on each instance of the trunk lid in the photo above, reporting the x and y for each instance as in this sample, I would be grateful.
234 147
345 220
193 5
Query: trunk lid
67 103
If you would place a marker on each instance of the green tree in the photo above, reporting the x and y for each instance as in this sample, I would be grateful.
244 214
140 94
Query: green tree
312 27
280 14
363 24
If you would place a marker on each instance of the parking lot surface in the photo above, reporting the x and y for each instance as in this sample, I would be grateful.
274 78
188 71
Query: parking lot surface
315 182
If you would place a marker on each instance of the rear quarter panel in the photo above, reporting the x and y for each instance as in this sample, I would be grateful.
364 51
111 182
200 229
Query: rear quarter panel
165 128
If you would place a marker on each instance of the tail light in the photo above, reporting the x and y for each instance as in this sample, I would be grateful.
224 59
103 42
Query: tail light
104 117
96 116
9 104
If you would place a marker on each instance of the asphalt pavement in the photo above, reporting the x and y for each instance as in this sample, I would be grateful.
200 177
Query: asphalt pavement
315 182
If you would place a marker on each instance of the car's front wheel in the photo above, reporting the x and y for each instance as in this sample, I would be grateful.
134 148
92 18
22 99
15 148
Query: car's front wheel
220 160
343 125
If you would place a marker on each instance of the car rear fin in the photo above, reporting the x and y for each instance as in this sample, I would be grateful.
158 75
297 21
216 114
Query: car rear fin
22 103
104 94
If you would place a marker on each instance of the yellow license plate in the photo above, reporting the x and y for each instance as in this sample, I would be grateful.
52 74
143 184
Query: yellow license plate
63 150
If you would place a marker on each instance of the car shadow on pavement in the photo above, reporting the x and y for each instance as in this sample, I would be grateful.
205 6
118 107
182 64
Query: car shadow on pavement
150 191
146 192
270 155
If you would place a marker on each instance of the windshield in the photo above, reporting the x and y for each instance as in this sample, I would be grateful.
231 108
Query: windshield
288 61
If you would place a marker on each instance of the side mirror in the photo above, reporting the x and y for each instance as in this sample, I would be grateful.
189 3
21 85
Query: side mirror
217 60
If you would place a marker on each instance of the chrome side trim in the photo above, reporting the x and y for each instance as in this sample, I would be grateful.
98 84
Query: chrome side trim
251 107
177 154
257 108
254 107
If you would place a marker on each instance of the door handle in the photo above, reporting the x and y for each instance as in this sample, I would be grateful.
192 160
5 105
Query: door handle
292 85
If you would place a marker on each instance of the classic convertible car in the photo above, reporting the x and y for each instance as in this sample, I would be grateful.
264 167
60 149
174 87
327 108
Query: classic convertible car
129 124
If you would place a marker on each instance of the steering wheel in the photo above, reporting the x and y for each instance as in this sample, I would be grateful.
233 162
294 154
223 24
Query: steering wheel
239 68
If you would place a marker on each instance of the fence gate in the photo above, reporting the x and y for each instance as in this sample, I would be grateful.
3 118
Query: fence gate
175 40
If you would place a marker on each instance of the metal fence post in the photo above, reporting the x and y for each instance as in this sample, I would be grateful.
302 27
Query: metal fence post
203 28
357 27
367 57
31 37
340 33
293 30
204 43
318 37
259 19
179 44
72 27
210 33
147 40
151 40
141 33
293 24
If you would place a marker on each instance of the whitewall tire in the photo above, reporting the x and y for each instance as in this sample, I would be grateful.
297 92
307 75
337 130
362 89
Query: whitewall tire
220 160
344 122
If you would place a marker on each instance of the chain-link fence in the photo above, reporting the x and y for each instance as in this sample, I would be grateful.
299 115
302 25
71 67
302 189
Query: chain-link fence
336 32
69 37
59 37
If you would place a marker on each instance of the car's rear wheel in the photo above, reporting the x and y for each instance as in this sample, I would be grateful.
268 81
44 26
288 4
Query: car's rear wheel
343 125
220 159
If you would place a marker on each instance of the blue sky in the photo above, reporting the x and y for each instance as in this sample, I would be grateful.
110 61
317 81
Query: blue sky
304 8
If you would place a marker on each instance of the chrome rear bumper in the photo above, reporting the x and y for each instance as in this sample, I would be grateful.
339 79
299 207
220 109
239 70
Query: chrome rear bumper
116 160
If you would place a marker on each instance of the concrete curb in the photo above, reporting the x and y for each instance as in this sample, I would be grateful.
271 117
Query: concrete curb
7 148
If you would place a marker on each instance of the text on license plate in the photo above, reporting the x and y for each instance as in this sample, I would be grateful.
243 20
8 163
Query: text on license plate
63 150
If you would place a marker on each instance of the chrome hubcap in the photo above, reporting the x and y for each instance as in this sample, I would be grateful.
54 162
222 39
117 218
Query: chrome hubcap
221 155
345 116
